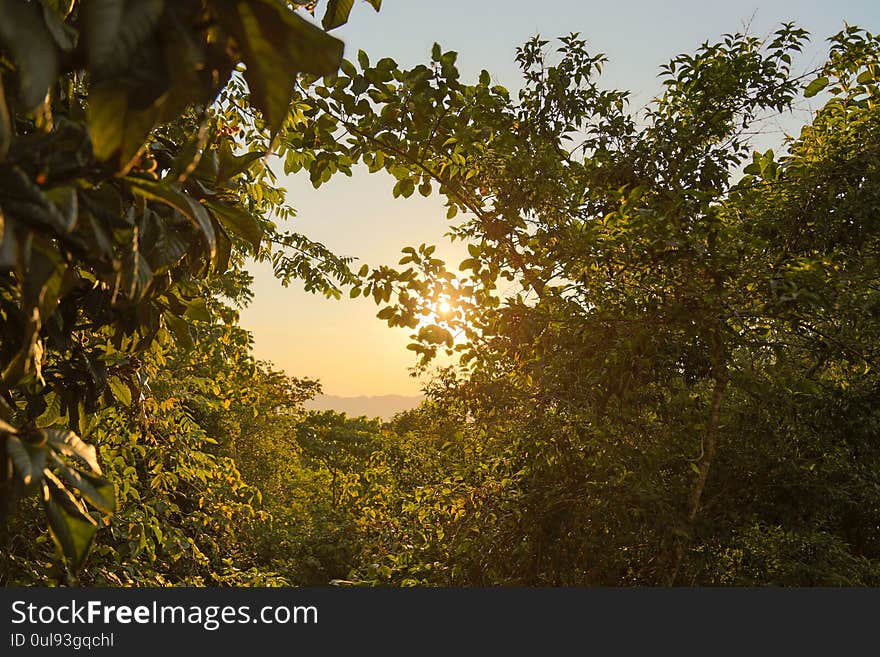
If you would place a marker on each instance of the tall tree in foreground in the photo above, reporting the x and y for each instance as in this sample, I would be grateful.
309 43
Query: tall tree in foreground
131 189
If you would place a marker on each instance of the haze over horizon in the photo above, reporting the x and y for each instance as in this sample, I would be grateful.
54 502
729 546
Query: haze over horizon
381 406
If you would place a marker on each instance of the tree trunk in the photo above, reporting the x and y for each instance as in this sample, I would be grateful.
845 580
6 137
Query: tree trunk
710 444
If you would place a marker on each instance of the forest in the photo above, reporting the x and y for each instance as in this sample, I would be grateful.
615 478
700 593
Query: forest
666 340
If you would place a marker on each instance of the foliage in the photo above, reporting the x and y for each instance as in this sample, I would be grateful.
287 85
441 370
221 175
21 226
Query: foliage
654 344
132 189
668 339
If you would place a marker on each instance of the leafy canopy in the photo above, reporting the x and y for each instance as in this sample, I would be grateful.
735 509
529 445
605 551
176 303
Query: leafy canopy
131 190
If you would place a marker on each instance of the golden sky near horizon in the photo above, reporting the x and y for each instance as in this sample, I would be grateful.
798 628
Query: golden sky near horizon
341 342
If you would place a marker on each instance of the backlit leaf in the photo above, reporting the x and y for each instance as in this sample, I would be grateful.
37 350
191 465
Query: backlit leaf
72 530
276 45
180 201
120 390
68 443
238 221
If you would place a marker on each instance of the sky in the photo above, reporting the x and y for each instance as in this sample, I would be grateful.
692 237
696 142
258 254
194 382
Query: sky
342 343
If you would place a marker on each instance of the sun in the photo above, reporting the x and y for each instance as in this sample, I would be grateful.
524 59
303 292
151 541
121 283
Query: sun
444 312
437 311
442 308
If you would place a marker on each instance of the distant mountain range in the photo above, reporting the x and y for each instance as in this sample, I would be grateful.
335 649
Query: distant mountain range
383 406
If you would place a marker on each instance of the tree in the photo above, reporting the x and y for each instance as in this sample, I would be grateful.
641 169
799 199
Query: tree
631 303
131 188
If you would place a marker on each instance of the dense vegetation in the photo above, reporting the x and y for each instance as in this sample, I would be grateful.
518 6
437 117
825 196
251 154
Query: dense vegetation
669 342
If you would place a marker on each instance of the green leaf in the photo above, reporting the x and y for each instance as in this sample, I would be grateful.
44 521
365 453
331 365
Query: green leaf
100 24
181 330
348 68
115 31
67 202
404 187
108 105
97 491
224 251
137 127
71 528
68 443
116 127
238 221
65 35
28 460
376 4
185 160
25 362
43 286
434 334
169 247
165 193
449 58
120 390
815 86
5 133
276 45
197 309
52 413
865 77
24 36
337 13
27 201
231 165
469 263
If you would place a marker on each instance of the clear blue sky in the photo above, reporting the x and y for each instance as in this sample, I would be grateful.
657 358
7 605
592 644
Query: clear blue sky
341 342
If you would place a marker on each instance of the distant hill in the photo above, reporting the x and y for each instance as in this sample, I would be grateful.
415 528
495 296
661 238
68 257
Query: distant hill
383 406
